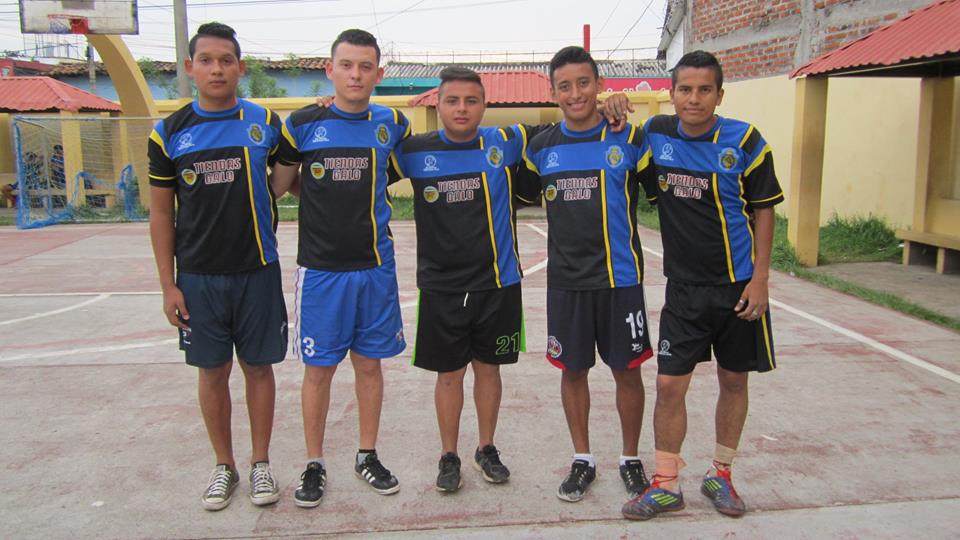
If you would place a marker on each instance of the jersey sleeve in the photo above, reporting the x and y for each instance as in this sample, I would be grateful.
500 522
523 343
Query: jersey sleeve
760 185
276 133
644 171
394 168
288 152
163 172
403 124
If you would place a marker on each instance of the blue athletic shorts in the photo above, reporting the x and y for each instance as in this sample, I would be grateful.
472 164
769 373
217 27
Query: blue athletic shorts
243 310
340 311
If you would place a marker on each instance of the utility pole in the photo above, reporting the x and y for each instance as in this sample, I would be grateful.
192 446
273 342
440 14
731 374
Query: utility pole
180 34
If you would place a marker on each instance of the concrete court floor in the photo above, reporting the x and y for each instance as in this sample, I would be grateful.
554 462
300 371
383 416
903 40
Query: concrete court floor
856 435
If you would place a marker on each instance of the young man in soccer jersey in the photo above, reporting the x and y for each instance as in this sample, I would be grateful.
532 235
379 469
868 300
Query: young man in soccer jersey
216 252
347 296
590 178
715 188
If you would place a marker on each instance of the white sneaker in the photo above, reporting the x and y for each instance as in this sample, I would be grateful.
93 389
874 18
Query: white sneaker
263 487
220 488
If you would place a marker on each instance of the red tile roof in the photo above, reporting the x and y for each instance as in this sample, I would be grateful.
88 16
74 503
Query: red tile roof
310 63
503 88
43 94
926 33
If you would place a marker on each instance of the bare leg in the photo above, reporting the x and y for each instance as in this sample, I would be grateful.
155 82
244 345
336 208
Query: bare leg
315 400
630 403
731 407
575 395
487 391
261 392
214 397
670 412
369 389
448 397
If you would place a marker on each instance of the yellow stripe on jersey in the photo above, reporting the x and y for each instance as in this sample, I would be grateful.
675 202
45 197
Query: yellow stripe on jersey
633 131
756 162
603 134
369 116
493 238
481 143
766 340
286 135
526 159
155 137
373 202
746 136
644 160
746 217
502 133
268 116
513 222
396 116
723 227
716 136
632 225
241 113
777 196
253 206
164 178
396 164
606 233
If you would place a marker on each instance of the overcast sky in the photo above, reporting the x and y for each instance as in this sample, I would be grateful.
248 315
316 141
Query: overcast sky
409 29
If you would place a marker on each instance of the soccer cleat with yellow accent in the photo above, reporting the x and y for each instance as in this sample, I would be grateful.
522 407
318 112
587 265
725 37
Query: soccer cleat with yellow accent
654 500
719 489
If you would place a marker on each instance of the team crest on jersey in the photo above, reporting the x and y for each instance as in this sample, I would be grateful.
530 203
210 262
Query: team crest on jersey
383 134
554 349
495 156
189 176
320 135
185 141
614 155
317 170
727 158
550 192
430 163
662 181
430 194
666 153
255 132
553 160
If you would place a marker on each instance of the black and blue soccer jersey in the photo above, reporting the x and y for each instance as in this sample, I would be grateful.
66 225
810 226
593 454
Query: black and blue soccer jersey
217 162
705 188
590 180
344 206
463 202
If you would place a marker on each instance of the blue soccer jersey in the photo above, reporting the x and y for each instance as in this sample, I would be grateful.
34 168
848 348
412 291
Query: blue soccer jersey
217 163
464 206
344 206
705 188
591 182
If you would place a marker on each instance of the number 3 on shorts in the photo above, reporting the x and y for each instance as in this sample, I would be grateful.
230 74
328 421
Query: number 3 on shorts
635 320
308 344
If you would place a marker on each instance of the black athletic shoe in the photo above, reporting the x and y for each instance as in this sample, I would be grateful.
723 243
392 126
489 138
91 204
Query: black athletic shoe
575 485
487 461
449 480
377 475
634 479
312 482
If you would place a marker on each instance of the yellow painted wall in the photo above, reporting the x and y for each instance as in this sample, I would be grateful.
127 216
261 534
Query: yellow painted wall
7 150
870 147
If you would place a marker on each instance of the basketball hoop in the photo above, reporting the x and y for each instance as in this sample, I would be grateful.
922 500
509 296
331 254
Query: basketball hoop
62 23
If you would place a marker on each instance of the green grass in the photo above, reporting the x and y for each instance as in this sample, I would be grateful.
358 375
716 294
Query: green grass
288 205
647 216
858 239
8 220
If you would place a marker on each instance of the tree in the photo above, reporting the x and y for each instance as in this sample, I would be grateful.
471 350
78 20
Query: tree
259 83
151 72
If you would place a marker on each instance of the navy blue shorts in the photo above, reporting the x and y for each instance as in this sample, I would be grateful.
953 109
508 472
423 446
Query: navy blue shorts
614 321
340 311
243 310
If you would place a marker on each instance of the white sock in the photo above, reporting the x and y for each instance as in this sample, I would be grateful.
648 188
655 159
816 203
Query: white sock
317 460
625 459
586 457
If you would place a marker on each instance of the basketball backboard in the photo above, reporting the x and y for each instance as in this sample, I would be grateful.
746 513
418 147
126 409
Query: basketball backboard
78 17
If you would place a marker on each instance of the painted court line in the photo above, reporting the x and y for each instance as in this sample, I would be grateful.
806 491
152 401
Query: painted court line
57 311
856 336
73 352
54 294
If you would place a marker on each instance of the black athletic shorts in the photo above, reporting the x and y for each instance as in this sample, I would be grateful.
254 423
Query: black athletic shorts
245 310
697 318
612 320
455 328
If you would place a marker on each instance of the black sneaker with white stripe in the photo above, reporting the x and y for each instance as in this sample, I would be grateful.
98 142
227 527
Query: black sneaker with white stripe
312 482
378 476
578 480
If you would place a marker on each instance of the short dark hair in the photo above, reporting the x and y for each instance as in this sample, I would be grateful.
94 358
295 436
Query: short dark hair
457 73
572 55
698 59
215 29
355 36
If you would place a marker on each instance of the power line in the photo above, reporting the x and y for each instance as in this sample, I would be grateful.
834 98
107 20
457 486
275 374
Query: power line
634 25
612 11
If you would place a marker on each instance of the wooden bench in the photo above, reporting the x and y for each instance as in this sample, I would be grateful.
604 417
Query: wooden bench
940 250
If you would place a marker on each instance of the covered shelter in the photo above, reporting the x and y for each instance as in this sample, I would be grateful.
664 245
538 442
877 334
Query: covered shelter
924 44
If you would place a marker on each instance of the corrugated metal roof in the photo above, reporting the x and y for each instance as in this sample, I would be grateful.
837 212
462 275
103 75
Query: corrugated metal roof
32 94
80 68
503 88
607 68
926 33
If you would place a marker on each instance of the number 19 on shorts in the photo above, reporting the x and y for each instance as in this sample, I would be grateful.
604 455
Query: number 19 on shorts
635 321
